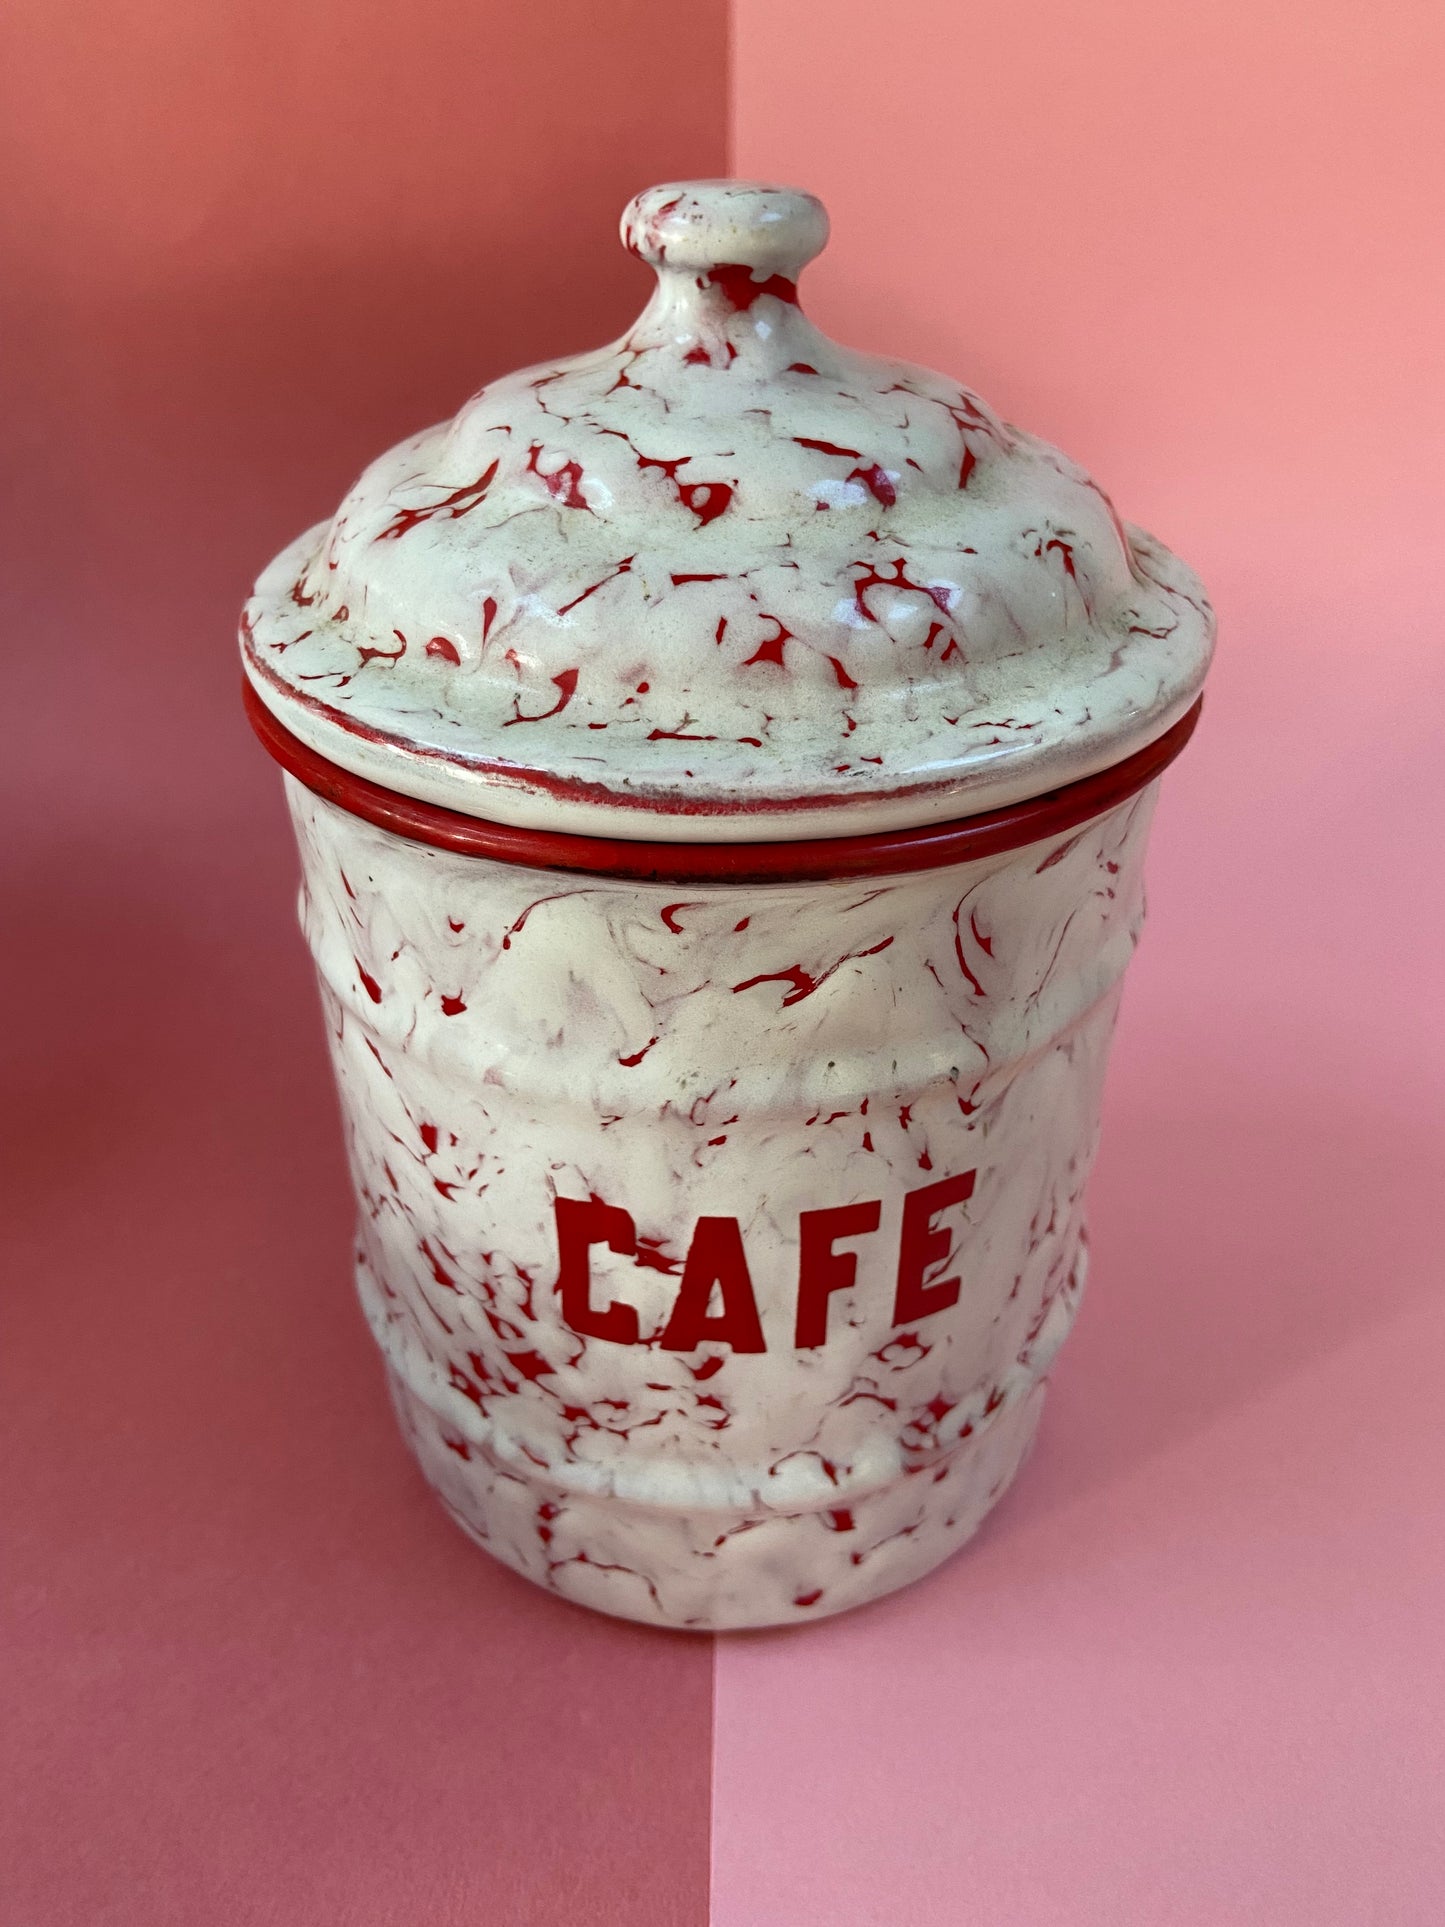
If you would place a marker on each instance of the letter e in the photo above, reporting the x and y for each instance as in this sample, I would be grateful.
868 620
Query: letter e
923 1244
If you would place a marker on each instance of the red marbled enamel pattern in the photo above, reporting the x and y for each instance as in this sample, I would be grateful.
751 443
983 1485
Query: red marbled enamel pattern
725 578
722 765
721 1420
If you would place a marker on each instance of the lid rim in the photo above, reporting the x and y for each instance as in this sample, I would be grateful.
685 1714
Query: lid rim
911 800
815 859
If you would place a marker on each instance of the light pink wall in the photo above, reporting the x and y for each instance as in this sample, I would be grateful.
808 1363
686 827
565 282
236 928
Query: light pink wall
1190 1673
1197 246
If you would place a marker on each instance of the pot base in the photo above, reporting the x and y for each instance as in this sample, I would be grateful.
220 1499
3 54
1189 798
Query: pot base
706 1570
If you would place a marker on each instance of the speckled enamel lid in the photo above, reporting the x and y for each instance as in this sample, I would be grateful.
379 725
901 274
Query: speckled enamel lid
725 580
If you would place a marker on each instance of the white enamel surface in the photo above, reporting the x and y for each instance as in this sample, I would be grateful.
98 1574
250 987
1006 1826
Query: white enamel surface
725 578
505 1036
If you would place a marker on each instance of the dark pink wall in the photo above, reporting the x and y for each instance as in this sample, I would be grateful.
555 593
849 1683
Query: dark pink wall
252 1673
257 241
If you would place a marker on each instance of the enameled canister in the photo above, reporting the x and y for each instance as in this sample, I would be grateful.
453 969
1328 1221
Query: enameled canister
722 764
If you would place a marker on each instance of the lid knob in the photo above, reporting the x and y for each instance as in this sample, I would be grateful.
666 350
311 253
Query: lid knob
693 227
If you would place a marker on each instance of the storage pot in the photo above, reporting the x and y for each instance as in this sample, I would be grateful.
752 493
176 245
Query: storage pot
722 765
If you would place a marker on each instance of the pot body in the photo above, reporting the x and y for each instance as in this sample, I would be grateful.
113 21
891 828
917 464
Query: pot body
718 1238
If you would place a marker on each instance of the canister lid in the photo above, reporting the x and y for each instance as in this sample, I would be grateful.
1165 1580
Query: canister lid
725 580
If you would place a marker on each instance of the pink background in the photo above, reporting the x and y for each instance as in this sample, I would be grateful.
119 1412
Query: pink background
250 1672
1192 1670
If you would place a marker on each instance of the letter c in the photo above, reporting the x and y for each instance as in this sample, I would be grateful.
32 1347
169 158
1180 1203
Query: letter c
580 1226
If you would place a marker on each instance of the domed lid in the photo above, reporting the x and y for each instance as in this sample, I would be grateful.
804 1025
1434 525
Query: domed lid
725 580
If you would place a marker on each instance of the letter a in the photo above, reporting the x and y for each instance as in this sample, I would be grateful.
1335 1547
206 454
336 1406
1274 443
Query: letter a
715 1257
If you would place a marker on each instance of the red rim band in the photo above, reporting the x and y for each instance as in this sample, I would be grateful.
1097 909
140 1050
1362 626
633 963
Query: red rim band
889 852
